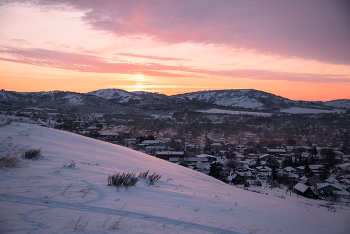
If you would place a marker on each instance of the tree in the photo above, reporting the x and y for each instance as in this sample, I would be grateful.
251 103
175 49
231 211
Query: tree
307 168
291 142
217 171
312 160
329 156
258 162
274 173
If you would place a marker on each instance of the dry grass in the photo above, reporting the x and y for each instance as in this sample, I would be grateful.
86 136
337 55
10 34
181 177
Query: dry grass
32 154
10 161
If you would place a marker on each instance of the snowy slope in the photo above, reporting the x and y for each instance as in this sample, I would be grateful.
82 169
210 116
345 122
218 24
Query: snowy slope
121 96
341 103
42 196
246 98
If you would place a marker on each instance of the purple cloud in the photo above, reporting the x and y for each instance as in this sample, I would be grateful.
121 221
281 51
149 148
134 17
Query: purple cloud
313 29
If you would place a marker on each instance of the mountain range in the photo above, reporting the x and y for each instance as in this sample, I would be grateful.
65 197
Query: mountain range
124 102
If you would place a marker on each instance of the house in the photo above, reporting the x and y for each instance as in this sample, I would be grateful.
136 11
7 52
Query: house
151 142
263 169
113 137
313 180
276 151
304 190
170 154
242 167
326 189
210 158
217 146
289 170
237 179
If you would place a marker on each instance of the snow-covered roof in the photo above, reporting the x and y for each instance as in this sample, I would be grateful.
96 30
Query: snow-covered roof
173 153
289 169
205 155
264 169
301 187
331 180
150 142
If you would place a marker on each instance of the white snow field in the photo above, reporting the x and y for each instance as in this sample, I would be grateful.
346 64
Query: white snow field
43 196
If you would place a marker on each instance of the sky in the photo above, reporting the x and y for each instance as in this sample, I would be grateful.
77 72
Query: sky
297 49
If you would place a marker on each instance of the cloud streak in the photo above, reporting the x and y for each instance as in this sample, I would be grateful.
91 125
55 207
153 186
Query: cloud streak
151 57
92 63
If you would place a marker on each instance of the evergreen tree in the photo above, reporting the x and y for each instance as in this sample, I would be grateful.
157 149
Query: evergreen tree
312 160
217 171
295 161
307 168
290 161
258 162
274 173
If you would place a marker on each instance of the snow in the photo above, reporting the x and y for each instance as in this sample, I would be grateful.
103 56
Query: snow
123 95
43 196
301 187
341 103
220 111
74 100
299 110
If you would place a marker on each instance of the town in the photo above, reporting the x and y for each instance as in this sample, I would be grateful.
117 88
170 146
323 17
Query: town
308 154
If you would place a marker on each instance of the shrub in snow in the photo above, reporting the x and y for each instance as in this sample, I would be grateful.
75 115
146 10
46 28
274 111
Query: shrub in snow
10 161
32 154
71 164
151 178
143 175
126 179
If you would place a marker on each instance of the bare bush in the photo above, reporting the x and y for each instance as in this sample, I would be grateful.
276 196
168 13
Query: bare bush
32 154
10 161
143 175
126 179
153 178
71 164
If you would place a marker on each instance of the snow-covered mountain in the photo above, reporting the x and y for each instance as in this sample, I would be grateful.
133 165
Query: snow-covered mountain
48 196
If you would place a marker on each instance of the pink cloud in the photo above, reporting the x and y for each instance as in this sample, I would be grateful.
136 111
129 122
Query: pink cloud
150 57
313 29
81 62
92 63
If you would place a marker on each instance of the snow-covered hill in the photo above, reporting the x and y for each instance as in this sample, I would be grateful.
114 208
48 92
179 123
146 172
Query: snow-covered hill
60 101
246 98
341 103
121 101
118 95
43 196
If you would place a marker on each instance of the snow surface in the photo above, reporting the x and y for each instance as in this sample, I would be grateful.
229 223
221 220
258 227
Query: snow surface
220 111
42 196
123 95
299 110
341 103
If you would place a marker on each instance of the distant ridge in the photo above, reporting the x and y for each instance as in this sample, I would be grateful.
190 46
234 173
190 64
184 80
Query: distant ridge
122 102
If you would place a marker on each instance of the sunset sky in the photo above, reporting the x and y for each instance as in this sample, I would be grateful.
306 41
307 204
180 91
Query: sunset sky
297 49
